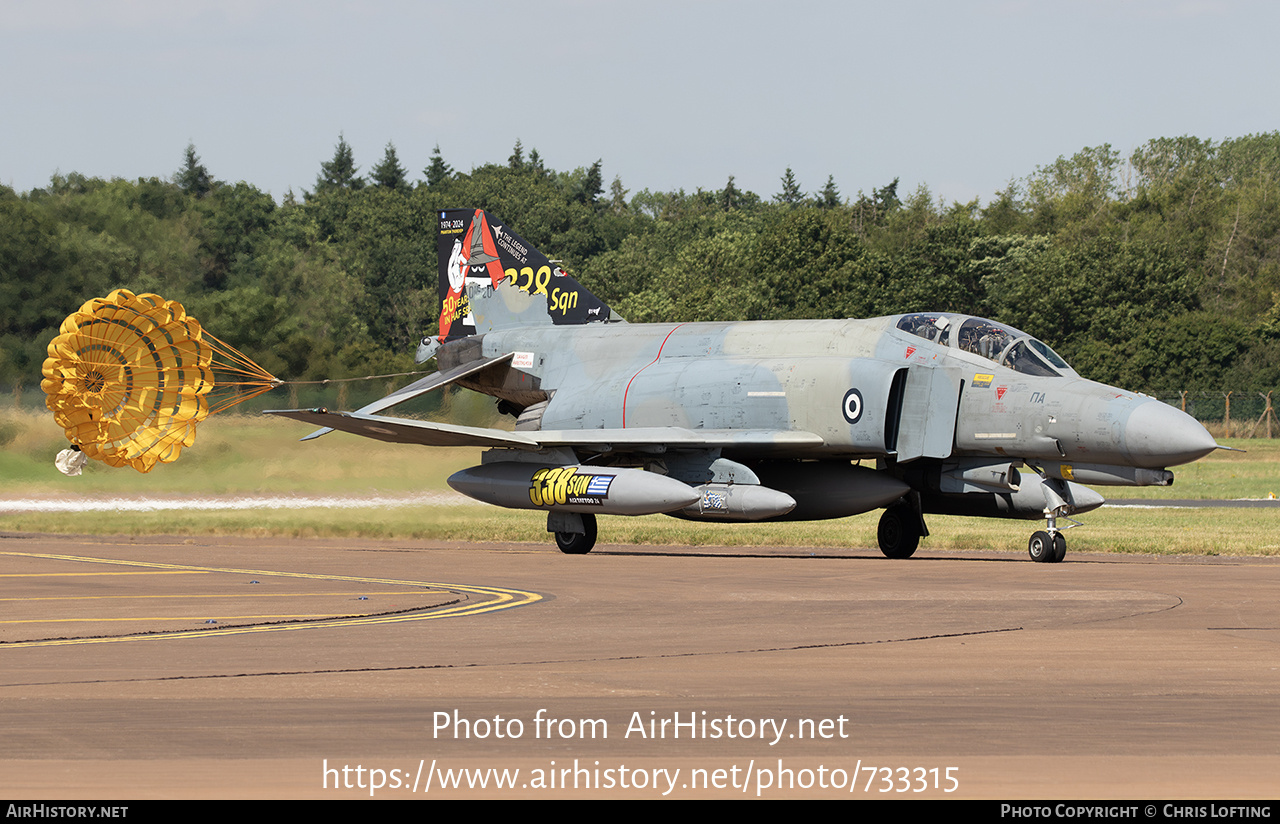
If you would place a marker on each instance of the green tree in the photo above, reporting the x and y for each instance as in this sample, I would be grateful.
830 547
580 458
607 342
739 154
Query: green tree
193 178
339 173
811 264
886 197
617 196
236 220
875 210
389 174
1076 194
592 185
438 172
730 197
535 163
829 198
790 194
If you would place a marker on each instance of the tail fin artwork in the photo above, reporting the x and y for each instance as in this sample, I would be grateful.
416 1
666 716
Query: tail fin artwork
491 278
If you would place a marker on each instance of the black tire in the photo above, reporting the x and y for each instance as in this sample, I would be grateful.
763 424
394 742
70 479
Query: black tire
1059 547
898 533
1040 547
574 543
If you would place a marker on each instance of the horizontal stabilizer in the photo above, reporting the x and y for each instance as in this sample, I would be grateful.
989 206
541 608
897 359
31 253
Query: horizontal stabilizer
422 386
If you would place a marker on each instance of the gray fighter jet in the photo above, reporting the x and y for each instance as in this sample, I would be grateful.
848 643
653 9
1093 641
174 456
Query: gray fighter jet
931 412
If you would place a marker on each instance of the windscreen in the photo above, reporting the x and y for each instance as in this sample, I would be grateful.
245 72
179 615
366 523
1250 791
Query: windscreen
988 339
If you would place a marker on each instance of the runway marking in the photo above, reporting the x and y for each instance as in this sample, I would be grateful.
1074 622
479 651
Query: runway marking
209 595
498 598
186 618
81 574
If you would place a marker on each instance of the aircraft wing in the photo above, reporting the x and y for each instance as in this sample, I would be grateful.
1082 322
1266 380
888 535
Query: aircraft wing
402 430
422 386
647 439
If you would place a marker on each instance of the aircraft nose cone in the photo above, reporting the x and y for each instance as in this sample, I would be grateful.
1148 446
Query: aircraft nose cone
1157 435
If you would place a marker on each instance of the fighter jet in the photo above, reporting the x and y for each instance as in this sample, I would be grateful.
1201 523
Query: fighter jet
924 413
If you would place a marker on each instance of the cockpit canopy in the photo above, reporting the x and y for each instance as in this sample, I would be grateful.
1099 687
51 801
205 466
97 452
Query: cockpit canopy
994 341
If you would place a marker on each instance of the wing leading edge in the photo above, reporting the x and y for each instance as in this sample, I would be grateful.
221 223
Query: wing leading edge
647 439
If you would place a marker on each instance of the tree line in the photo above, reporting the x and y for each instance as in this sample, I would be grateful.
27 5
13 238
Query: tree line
1156 271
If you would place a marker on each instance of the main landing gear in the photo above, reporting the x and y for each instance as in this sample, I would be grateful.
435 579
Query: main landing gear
900 530
575 533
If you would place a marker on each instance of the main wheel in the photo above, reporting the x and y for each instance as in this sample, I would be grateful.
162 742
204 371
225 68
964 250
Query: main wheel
898 533
1059 547
577 543
1041 547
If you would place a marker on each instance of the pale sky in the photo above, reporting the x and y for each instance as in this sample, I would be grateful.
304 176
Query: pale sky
960 96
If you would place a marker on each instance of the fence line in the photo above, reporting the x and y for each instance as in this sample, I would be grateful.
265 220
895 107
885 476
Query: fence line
1228 413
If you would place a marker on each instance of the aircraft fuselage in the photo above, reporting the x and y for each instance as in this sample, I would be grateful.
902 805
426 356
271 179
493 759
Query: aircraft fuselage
867 388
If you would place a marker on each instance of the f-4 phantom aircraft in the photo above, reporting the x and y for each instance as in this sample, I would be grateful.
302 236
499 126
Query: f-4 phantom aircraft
930 412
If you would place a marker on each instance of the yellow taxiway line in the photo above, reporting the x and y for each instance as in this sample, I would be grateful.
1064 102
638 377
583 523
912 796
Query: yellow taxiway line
496 598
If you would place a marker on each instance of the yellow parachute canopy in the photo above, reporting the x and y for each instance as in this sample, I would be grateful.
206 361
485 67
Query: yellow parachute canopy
129 377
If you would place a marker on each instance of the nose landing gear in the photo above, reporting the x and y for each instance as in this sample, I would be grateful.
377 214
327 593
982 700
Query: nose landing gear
1049 545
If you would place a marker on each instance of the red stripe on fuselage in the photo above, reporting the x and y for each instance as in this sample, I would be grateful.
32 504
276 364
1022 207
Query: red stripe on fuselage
641 369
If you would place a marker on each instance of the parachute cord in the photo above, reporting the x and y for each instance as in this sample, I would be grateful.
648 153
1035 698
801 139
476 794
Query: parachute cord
244 390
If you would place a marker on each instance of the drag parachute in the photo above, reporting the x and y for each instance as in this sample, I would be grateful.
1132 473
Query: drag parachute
129 377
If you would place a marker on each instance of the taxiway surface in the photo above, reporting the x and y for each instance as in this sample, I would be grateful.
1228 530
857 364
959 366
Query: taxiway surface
226 667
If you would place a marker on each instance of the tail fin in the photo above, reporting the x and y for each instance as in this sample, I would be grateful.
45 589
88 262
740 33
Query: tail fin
491 278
